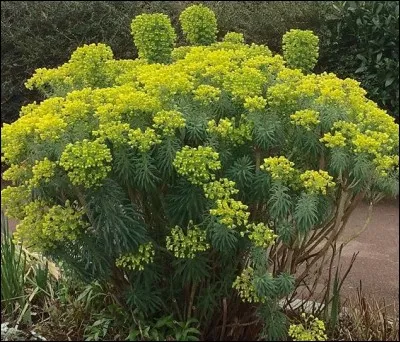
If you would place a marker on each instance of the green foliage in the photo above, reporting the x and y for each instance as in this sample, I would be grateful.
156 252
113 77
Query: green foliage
360 40
300 49
154 37
13 262
199 25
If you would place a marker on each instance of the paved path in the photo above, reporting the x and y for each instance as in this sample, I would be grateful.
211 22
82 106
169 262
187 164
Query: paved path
377 264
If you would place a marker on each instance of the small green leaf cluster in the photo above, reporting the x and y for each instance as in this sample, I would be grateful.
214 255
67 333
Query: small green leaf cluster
300 49
154 37
137 261
188 245
197 164
199 25
86 162
312 330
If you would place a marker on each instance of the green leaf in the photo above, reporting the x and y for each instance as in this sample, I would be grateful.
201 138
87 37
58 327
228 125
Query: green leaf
389 81
284 284
279 203
305 213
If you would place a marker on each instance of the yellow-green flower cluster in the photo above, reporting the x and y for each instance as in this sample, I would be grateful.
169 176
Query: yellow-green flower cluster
17 173
86 68
143 141
50 127
154 37
270 66
284 93
180 52
312 330
220 189
115 131
371 142
261 235
280 168
245 82
132 261
331 90
300 49
317 181
244 285
168 121
43 226
256 103
43 170
189 244
14 199
86 162
234 37
228 130
385 164
199 25
307 118
62 223
334 140
197 164
230 212
206 94
164 81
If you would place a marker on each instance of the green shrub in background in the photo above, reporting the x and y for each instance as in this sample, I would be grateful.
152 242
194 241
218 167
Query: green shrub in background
361 40
154 37
300 49
199 25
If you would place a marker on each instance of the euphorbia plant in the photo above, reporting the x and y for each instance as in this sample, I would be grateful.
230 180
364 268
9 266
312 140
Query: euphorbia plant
196 187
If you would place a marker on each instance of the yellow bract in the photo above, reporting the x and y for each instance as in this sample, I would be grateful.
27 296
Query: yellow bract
132 261
317 181
189 244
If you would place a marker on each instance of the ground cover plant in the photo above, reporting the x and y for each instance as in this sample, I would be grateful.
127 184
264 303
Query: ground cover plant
196 183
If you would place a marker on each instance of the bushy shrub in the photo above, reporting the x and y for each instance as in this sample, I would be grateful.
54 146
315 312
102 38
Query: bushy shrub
300 49
199 25
198 186
154 37
361 40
